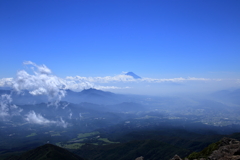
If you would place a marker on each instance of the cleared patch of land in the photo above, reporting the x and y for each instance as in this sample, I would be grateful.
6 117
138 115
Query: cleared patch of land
31 135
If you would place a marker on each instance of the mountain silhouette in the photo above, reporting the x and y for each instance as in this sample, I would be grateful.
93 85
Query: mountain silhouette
133 75
47 152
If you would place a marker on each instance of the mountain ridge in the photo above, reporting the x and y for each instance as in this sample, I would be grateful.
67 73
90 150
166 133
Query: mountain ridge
225 149
47 152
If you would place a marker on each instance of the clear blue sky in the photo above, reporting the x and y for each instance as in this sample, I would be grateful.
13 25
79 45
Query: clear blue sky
158 39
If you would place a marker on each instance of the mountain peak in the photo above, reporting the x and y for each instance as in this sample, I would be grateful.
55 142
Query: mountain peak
133 75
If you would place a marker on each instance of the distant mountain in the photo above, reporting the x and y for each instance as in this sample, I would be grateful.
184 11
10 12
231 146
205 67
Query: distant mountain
133 75
5 88
87 95
47 152
4 91
94 96
91 96
24 97
229 96
95 92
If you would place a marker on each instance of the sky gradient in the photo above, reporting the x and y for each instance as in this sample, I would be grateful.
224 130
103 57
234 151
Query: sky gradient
90 38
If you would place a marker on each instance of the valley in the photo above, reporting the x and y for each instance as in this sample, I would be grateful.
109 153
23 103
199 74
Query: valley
93 130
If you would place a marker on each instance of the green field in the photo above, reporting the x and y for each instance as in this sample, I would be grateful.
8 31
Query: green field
84 135
31 135
55 134
73 146
76 142
106 140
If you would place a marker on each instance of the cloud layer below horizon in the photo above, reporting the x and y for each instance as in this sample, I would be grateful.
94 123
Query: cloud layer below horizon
40 81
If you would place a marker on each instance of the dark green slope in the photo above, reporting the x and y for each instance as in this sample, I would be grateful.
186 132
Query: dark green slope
47 152
175 137
149 149
226 148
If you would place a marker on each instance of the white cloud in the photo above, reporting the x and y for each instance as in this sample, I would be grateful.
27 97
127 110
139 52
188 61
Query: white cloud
77 85
107 87
127 78
62 123
7 109
34 118
180 79
107 79
43 82
70 115
40 83
6 82
41 68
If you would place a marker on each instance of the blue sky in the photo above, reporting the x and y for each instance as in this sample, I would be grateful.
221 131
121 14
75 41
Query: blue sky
156 39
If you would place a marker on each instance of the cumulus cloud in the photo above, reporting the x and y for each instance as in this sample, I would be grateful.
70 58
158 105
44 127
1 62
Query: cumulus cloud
34 118
6 82
41 68
42 82
7 109
76 84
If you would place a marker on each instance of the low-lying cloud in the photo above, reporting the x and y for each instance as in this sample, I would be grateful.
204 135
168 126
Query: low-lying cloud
34 118
41 82
7 109
127 78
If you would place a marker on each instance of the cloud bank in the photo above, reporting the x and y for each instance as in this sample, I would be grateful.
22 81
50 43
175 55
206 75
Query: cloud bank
127 78
43 82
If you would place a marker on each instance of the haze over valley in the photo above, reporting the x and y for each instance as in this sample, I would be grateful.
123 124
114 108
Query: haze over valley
39 108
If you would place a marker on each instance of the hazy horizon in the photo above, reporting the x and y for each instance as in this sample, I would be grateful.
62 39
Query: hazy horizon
39 78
